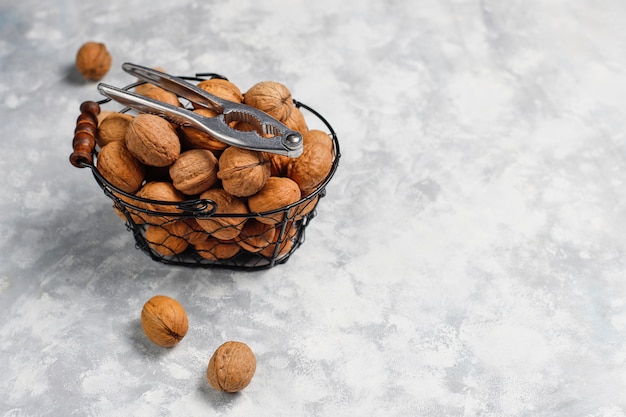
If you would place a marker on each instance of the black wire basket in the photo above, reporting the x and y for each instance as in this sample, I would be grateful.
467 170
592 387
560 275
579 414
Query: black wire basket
191 232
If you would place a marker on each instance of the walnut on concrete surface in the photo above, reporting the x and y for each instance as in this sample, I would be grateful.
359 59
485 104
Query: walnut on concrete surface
93 60
164 321
231 367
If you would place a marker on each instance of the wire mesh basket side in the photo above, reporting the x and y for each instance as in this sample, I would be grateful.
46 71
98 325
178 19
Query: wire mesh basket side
177 239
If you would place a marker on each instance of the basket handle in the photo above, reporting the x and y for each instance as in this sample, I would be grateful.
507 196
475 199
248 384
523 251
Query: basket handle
85 134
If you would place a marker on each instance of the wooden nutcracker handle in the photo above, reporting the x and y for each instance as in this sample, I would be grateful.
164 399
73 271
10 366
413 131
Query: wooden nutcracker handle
85 134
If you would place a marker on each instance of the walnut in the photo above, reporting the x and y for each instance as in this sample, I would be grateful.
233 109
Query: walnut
278 164
221 227
104 114
113 128
256 236
152 140
166 239
202 140
174 237
195 233
119 167
271 97
280 246
315 162
231 367
305 207
162 192
215 250
222 88
164 321
296 121
93 60
195 171
278 192
243 172
158 93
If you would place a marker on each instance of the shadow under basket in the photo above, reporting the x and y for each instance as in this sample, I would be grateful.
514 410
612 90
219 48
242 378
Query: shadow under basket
178 233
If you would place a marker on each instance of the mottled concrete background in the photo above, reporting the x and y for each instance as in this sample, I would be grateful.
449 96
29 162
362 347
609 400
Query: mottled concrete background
468 259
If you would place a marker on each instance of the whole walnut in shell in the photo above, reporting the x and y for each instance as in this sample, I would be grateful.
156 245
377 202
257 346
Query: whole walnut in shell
118 166
152 140
164 321
161 192
231 367
315 162
198 139
271 97
93 60
256 236
281 244
296 121
166 239
243 172
113 128
278 164
103 115
159 94
222 88
278 192
195 234
222 227
215 250
195 171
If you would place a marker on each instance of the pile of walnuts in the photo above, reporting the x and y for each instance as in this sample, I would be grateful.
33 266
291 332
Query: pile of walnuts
151 158
165 323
